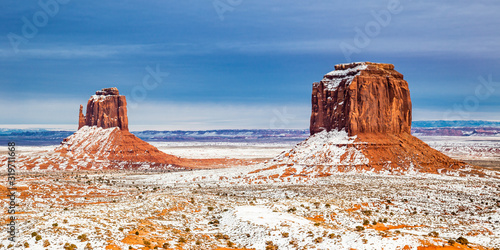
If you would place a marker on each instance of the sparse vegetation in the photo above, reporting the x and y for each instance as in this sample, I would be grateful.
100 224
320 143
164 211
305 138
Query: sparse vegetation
434 234
462 240
367 212
82 237
270 246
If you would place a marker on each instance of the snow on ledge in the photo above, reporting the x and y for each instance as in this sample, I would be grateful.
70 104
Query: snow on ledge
333 79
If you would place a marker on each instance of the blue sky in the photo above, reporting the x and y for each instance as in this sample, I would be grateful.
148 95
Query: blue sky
244 64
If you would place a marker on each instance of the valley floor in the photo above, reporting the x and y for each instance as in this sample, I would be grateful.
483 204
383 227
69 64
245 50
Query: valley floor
216 209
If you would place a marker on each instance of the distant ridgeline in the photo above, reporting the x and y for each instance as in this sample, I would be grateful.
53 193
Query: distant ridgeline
454 124
456 128
43 137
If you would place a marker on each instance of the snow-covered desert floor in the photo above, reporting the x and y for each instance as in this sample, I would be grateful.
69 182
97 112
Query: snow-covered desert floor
217 209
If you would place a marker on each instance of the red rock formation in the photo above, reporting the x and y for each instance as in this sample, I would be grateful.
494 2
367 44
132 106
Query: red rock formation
104 142
106 109
81 118
361 98
361 119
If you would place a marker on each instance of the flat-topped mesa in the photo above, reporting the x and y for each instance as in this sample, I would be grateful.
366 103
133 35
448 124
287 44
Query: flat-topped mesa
106 109
360 98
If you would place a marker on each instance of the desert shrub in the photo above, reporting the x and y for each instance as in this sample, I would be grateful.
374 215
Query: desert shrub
68 246
187 229
317 224
451 242
366 222
318 240
374 222
210 209
292 209
46 243
136 232
230 244
38 237
327 205
120 229
270 246
433 234
317 204
221 236
331 236
367 212
166 245
88 246
285 235
198 242
182 240
10 246
34 234
26 244
360 228
55 225
385 220
82 237
65 221
146 242
462 240
214 222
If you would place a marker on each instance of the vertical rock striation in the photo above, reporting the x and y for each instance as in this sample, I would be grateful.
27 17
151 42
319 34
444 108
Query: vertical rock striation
361 119
361 98
106 109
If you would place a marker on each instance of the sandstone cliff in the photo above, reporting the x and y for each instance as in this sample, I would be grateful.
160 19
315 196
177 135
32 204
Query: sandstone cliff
361 120
361 98
106 109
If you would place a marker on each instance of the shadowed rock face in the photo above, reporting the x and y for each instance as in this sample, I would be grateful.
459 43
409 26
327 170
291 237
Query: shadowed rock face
106 109
362 98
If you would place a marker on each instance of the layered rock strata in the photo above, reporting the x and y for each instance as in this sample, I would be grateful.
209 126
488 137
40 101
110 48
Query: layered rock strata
361 98
106 109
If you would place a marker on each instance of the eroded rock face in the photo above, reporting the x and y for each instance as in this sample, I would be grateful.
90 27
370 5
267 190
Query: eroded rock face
362 98
106 109
81 118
